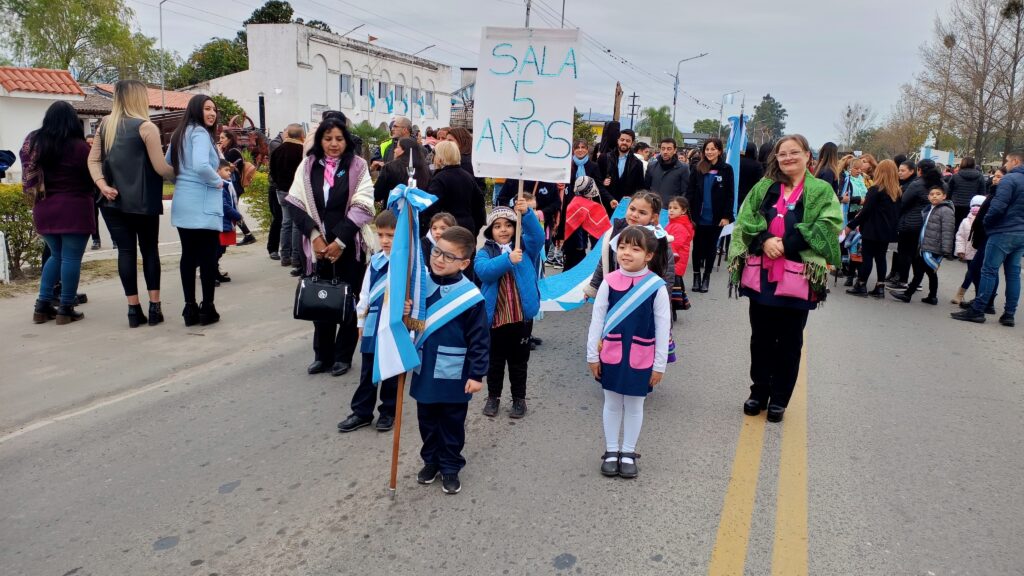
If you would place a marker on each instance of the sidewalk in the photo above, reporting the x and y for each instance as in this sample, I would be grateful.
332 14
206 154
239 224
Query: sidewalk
49 369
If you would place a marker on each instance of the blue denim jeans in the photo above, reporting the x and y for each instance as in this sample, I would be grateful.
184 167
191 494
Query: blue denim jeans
64 266
1004 250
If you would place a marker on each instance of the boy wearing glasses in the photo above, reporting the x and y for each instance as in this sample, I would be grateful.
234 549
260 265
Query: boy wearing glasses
453 347
508 280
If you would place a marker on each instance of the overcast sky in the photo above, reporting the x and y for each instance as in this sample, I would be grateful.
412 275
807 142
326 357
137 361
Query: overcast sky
814 57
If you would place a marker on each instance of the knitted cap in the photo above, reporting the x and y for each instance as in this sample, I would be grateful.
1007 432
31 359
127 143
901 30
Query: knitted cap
585 187
501 212
977 200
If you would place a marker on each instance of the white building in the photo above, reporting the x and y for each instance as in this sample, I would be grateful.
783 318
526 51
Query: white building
25 94
302 71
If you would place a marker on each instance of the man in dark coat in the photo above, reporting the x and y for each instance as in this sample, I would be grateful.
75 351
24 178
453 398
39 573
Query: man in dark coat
284 161
624 173
666 175
967 183
751 171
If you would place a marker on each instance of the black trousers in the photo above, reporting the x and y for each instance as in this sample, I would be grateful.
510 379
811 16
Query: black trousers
959 213
510 344
873 251
366 394
906 248
922 269
199 249
776 343
274 234
705 242
443 430
127 231
96 217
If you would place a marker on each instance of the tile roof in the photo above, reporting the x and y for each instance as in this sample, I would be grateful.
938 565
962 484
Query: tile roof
39 80
174 100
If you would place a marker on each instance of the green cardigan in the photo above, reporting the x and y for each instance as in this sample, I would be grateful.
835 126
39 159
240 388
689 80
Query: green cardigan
822 221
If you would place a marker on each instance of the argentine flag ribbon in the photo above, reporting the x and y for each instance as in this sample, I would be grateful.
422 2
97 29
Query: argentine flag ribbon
407 274
373 99
733 150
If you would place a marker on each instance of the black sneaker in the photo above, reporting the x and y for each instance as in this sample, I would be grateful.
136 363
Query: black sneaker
353 423
428 474
1007 320
385 423
450 483
901 296
969 316
296 272
930 300
491 406
275 256
246 240
518 408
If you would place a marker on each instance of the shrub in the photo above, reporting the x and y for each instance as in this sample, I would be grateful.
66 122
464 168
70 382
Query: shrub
24 246
256 199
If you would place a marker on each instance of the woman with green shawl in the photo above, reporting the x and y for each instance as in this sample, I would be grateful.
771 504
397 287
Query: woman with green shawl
785 241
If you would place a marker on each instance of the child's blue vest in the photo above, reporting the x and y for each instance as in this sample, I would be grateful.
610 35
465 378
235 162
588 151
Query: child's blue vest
628 348
378 280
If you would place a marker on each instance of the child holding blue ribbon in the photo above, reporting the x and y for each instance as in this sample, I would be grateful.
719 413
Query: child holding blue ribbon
627 345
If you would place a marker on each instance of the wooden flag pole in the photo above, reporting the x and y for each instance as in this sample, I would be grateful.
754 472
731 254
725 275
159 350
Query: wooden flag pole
397 437
519 217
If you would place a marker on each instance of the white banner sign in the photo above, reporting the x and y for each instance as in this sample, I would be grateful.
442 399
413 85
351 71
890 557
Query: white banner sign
523 106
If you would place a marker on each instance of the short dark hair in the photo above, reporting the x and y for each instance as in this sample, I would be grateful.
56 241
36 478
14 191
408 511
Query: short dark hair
671 141
462 238
641 146
629 133
386 219
225 164
1017 154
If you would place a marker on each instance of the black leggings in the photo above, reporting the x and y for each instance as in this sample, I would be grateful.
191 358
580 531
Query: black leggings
776 345
906 248
873 250
199 248
127 230
705 244
922 269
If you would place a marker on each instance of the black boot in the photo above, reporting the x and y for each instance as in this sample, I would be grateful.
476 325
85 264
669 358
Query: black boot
849 281
190 314
705 284
858 290
208 314
696 282
879 291
135 315
67 315
44 311
156 313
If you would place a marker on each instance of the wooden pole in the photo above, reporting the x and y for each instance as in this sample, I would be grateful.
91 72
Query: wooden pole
397 438
519 217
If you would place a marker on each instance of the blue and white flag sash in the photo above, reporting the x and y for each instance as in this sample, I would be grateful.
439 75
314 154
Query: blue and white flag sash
631 301
395 351
461 296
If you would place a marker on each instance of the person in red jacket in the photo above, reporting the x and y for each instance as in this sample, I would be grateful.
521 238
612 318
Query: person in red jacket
680 228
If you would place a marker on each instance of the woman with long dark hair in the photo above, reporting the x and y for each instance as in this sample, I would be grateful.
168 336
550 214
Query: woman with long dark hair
397 171
128 165
55 162
827 168
876 222
197 209
914 200
227 143
783 244
711 208
331 200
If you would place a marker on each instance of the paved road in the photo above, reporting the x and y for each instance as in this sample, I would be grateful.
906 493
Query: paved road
209 451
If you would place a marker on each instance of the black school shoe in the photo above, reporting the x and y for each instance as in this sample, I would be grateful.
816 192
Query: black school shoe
901 296
627 470
518 408
1007 320
353 423
340 369
385 423
428 474
610 467
450 483
752 407
491 406
775 413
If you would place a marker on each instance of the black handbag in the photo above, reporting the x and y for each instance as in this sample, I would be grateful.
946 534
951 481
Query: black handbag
320 300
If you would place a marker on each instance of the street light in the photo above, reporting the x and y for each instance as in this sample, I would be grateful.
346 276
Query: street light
721 110
163 67
352 30
675 87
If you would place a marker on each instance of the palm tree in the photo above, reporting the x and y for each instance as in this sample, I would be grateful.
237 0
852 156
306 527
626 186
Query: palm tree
657 123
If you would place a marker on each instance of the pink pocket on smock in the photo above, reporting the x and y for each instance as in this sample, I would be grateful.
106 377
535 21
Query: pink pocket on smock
611 349
641 353
751 276
794 284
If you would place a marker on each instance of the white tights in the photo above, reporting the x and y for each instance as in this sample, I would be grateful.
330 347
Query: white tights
627 413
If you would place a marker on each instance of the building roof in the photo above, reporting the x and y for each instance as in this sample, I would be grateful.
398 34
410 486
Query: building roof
39 80
94 104
174 100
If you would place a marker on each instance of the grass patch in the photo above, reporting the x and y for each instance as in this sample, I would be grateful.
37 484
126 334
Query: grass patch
92 271
168 190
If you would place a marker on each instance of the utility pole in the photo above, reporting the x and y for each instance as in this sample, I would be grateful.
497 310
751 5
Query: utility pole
563 15
529 4
163 72
675 87
632 108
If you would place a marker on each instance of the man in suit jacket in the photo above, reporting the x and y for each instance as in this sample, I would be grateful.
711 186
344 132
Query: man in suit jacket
624 172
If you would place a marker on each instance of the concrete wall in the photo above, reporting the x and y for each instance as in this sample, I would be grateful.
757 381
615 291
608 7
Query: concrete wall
298 69
18 117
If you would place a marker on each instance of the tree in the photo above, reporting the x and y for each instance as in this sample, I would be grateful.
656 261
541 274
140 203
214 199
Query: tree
1013 12
226 108
657 124
582 130
218 57
712 128
273 12
855 120
88 37
319 25
769 121
370 135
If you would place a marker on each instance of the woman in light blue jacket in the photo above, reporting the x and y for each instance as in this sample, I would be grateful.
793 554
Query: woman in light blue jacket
197 209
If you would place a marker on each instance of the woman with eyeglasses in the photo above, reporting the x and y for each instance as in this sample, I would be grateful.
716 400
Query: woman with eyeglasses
783 243
331 200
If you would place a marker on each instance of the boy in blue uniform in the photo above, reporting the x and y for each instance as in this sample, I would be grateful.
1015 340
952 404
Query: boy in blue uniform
368 317
453 347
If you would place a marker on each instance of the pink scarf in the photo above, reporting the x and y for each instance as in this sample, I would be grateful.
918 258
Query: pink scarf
330 168
777 227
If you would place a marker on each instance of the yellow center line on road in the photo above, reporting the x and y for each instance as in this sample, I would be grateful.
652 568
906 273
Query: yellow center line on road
789 553
730 551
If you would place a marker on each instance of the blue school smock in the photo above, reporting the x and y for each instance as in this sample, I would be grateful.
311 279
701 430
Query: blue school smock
369 343
627 353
